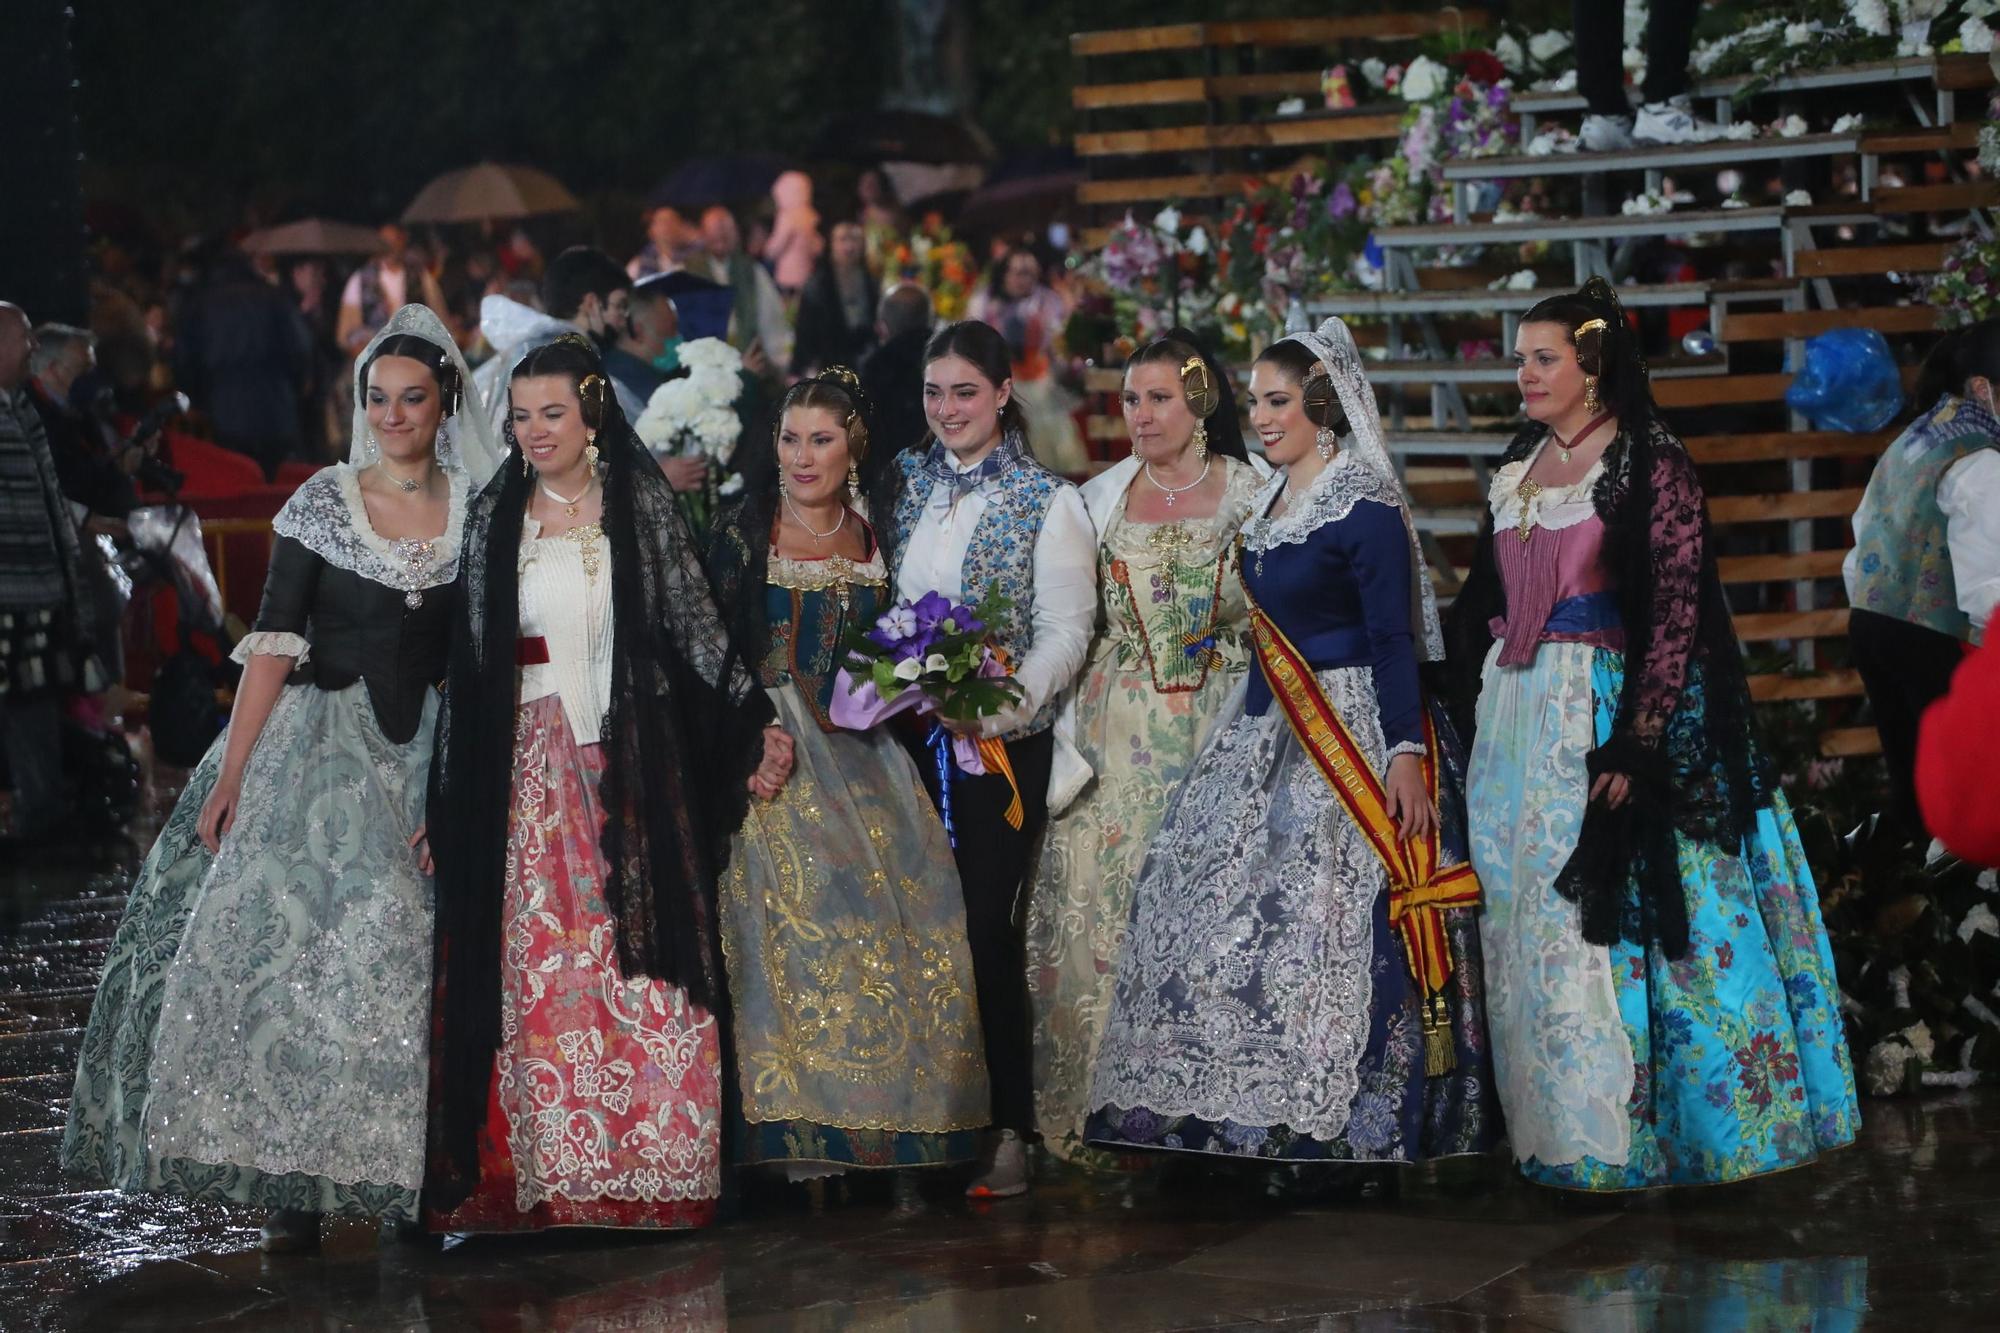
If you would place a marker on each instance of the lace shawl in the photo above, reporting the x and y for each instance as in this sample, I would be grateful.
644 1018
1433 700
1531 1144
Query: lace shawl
682 735
1683 730
327 516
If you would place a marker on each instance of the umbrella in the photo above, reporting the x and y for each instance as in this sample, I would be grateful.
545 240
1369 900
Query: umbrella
489 190
720 179
1023 192
903 136
314 236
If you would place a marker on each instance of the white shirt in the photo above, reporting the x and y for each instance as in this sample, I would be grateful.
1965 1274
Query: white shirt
563 604
1065 574
1969 496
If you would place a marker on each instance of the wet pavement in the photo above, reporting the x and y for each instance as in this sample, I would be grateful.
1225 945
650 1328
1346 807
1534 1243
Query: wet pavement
1900 1232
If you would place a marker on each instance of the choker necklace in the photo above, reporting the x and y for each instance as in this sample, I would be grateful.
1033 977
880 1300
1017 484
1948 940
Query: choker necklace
817 534
407 485
1582 435
1172 491
569 506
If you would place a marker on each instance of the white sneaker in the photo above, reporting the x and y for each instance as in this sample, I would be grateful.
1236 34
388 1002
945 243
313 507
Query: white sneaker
1606 134
1009 1174
1673 121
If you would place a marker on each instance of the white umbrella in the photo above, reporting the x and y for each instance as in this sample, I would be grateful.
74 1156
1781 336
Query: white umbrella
314 236
489 190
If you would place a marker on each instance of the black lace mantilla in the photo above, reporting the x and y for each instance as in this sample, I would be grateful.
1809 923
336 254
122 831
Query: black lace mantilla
1684 733
682 735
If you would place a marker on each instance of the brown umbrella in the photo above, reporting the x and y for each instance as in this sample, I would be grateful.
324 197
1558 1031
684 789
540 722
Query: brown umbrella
489 190
314 236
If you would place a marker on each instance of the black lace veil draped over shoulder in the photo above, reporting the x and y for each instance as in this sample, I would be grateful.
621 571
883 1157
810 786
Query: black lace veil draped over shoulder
1683 726
682 735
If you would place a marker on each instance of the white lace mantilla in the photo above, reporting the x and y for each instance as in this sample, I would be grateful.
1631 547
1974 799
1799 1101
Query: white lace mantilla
327 516
1341 484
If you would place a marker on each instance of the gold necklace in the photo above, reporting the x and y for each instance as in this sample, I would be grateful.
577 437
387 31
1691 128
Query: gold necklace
569 506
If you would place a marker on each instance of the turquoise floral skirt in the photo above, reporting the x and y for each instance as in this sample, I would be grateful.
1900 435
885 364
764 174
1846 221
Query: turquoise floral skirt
1619 1068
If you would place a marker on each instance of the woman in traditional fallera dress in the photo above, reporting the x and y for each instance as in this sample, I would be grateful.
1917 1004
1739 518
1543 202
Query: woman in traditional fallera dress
1301 977
855 1029
259 1035
598 748
1170 648
974 511
1662 997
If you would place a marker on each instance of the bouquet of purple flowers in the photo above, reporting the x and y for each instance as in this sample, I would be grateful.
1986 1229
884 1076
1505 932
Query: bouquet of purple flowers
932 655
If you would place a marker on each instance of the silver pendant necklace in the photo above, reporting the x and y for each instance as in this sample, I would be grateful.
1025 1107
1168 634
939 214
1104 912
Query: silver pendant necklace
1172 491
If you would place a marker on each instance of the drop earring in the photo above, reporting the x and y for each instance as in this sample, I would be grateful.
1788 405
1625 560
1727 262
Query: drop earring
590 452
1200 439
1328 443
372 446
853 482
1590 400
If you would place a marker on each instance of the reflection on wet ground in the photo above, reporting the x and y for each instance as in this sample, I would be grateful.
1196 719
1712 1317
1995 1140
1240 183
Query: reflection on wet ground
1899 1232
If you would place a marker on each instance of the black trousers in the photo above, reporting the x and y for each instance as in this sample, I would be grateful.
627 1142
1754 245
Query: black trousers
1905 668
994 863
1600 52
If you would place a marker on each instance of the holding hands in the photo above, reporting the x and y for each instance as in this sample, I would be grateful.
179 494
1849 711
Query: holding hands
776 766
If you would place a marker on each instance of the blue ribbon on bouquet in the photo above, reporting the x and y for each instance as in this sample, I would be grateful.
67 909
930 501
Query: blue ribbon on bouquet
939 742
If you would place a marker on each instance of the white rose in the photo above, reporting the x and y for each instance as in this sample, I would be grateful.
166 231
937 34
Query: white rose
715 388
1846 123
716 430
1168 220
1799 199
1374 70
710 354
1918 1035
1871 16
1424 79
1883 1069
1798 34
1509 53
909 669
1635 15
1197 242
1740 130
1791 127
1975 36
1546 46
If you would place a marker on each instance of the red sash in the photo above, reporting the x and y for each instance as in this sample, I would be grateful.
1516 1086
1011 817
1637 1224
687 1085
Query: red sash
1420 889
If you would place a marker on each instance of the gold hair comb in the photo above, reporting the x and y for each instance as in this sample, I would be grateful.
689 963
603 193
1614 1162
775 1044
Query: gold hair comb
1199 388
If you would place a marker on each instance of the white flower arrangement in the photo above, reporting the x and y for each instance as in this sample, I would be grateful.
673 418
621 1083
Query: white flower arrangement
1739 130
696 413
1975 37
1847 124
1509 52
1791 127
1292 106
1799 199
1423 80
1546 46
1167 221
1197 241
1521 280
1870 16
1649 203
1375 71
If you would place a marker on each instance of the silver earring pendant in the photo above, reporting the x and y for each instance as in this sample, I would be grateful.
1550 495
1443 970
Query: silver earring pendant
1329 443
373 446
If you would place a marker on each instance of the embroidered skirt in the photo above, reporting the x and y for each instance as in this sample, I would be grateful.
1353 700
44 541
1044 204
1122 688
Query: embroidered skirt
259 1036
605 1102
856 1028
1618 1068
1263 1007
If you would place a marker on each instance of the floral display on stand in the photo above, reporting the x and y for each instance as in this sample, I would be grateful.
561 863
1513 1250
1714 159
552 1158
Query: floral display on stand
1967 288
939 263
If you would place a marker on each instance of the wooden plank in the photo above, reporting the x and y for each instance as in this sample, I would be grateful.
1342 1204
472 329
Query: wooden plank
1176 92
1325 31
1777 445
1960 136
1783 506
1274 134
1721 390
1868 260
1140 189
1850 743
1961 73
1764 626
1779 568
1958 198
1132 41
1778 325
1152 92
1774 687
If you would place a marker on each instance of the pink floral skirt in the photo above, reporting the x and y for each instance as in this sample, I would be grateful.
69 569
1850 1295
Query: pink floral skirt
606 1101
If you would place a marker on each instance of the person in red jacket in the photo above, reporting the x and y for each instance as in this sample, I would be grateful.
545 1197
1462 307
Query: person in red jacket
1955 761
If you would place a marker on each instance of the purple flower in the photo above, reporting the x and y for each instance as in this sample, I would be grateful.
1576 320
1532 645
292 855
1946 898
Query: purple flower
1301 216
1340 203
893 627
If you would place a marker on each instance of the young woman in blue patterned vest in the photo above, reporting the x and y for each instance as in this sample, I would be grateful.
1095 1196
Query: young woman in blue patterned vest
975 510
1925 569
